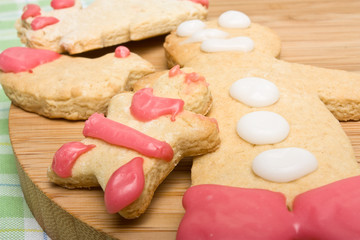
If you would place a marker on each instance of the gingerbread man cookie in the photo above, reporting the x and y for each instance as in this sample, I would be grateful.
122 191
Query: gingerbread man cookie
131 151
276 119
71 28
60 86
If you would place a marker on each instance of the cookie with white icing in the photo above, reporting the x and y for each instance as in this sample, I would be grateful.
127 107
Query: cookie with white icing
131 151
60 86
73 29
276 119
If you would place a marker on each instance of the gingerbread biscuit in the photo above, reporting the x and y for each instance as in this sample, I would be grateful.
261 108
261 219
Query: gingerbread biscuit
132 150
60 86
276 129
71 28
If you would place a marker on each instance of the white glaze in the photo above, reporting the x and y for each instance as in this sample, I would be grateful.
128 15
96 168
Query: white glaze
255 92
234 19
190 27
284 164
242 44
263 127
205 34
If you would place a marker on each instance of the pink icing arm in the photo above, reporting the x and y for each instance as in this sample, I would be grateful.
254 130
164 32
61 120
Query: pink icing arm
194 77
122 52
125 185
59 4
222 212
330 212
21 59
112 132
41 22
146 107
65 158
31 10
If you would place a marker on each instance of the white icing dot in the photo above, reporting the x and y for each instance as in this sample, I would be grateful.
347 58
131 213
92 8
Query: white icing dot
254 92
188 28
234 19
284 164
243 44
204 34
263 127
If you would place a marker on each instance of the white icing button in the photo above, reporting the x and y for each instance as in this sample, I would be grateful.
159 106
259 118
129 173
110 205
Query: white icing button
243 44
234 19
210 33
284 164
255 92
263 127
188 28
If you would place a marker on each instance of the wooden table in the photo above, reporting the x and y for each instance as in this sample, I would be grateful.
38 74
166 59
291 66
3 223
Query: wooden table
321 33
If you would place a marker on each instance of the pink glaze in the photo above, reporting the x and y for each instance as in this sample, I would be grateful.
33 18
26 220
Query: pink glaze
221 212
122 52
125 185
41 22
65 158
97 126
31 10
175 70
194 77
59 4
21 59
331 212
205 3
146 107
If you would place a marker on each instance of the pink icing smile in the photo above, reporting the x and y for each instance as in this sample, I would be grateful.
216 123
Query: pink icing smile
31 10
146 107
125 185
112 132
21 59
223 212
41 22
59 4
65 158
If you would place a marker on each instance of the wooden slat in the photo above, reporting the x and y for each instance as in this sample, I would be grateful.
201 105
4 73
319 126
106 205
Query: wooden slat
321 33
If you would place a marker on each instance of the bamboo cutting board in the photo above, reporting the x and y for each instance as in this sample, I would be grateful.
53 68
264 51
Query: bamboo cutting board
321 33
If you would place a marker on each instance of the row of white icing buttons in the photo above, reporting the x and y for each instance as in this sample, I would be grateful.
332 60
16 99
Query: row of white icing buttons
259 127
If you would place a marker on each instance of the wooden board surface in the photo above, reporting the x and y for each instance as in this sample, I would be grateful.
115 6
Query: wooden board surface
321 33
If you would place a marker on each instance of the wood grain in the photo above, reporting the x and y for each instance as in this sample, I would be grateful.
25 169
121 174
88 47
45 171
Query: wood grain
321 33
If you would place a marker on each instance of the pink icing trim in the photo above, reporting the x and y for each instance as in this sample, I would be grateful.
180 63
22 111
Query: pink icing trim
205 3
194 77
112 132
21 59
65 158
59 4
175 70
146 107
222 212
189 77
122 52
41 22
31 10
125 185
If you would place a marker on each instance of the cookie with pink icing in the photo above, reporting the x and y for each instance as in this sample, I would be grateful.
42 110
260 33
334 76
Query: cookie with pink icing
74 29
131 150
279 125
60 86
